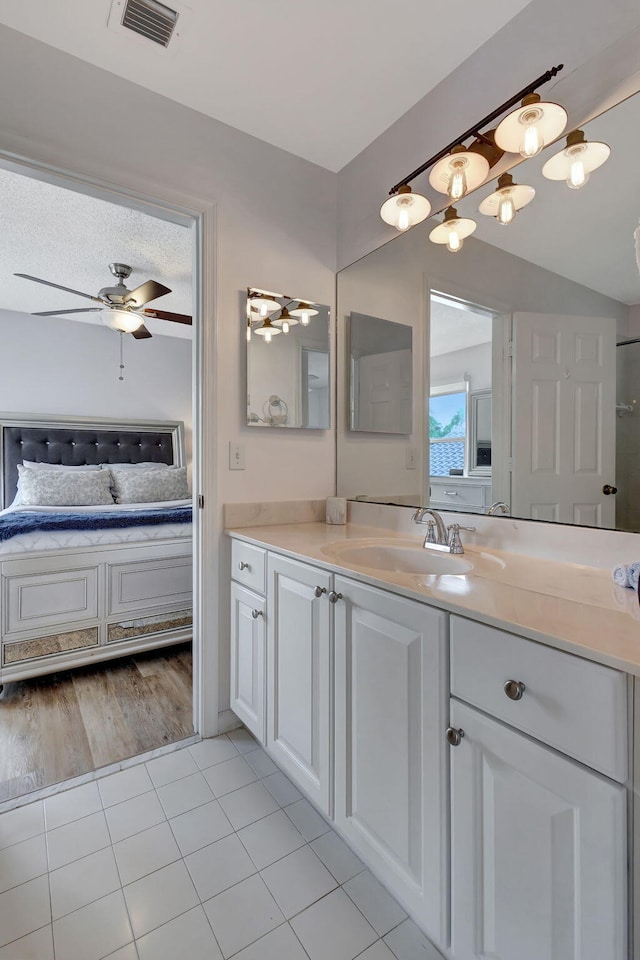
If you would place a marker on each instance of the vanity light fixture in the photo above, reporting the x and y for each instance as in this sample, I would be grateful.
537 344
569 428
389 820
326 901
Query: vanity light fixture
453 230
267 330
305 311
578 159
458 169
285 321
531 127
262 302
507 199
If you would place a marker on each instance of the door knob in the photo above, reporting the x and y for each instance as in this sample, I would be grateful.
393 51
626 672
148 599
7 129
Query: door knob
454 736
608 490
514 689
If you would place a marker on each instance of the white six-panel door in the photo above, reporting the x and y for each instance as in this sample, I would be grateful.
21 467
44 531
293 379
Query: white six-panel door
391 755
563 418
248 641
299 667
538 846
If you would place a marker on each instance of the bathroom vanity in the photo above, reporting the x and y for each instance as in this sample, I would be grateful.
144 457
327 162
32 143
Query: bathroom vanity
469 738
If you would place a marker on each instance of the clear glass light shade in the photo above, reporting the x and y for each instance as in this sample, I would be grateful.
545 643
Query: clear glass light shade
453 232
506 201
530 128
576 162
404 210
263 303
459 173
123 320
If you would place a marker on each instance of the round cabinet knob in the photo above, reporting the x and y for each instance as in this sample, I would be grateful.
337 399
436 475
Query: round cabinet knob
257 613
334 597
514 689
319 591
609 490
244 566
454 736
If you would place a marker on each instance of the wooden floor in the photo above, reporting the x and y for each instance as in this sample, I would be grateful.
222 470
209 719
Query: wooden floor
68 723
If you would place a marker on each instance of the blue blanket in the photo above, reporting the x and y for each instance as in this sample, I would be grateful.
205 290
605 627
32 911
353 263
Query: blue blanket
19 522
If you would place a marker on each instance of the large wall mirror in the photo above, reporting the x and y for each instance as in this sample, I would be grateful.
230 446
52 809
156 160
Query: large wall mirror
526 352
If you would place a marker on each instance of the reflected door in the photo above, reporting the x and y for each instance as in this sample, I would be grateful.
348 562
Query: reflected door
564 418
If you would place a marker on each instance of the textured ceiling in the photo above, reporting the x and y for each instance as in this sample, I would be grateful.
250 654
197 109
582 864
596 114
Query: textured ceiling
70 239
321 80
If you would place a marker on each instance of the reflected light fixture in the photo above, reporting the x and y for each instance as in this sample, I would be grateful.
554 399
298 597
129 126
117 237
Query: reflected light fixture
262 303
459 172
267 330
405 209
507 199
453 230
124 321
285 321
304 311
578 159
531 127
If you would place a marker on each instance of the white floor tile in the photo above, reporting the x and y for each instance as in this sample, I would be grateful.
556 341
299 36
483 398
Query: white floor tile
160 897
271 838
260 762
248 804
24 909
242 914
133 816
219 866
188 936
124 785
185 794
35 946
297 881
379 951
23 861
242 740
337 857
407 942
72 805
307 820
280 944
212 751
82 882
77 839
146 852
229 775
333 929
371 898
125 953
93 932
200 827
173 766
21 823
281 788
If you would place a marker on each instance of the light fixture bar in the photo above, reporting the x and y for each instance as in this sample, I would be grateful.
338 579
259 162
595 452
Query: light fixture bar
476 128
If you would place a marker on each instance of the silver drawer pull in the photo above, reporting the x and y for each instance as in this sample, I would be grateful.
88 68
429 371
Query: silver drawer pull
514 689
454 736
319 591
244 566
334 597
450 493
257 613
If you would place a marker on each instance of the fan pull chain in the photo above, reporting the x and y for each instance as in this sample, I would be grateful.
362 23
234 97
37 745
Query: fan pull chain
121 377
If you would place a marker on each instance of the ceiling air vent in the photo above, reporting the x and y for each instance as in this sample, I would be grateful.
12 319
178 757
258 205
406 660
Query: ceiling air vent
150 19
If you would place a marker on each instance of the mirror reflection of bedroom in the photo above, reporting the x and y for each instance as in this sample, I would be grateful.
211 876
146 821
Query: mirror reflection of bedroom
95 463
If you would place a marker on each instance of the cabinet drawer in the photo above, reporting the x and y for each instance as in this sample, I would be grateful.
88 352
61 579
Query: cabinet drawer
49 599
456 494
577 706
248 565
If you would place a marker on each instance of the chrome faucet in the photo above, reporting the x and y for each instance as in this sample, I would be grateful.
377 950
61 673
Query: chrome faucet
498 507
439 536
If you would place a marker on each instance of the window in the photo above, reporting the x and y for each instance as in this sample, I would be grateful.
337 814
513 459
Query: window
448 430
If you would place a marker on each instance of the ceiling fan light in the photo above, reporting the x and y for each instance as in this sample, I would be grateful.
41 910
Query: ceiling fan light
405 209
125 321
453 230
531 127
579 158
504 203
460 172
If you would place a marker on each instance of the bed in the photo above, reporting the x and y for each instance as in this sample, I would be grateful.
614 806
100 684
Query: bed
84 584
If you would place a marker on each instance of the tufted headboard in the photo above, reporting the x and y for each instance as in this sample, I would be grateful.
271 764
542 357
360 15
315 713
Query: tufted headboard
79 441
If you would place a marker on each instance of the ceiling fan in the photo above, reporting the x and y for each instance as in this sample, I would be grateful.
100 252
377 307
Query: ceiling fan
121 309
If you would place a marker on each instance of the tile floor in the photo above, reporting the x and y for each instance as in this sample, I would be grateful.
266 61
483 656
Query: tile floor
202 854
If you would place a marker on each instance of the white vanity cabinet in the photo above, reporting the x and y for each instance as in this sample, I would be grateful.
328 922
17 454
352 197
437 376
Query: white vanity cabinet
299 676
391 699
248 637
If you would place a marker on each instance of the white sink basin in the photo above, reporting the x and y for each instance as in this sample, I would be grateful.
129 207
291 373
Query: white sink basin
398 557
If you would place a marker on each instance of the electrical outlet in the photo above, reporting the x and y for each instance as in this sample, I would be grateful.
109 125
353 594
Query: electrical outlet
236 456
411 458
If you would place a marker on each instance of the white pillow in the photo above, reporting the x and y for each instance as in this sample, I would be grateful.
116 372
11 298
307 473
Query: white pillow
33 465
59 488
135 466
149 486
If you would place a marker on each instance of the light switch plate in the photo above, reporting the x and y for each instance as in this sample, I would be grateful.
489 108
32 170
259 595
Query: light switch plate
236 456
411 458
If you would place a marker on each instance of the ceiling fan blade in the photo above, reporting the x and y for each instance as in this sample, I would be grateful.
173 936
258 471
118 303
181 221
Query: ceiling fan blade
62 313
150 290
166 315
141 333
58 286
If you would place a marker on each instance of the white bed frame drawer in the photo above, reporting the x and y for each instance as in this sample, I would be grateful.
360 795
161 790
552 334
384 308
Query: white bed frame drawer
149 583
49 599
577 706
248 565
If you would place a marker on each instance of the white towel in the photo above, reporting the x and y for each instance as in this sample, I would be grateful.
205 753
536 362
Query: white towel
627 574
619 574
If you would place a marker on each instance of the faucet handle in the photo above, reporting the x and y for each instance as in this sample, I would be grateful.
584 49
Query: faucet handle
431 532
455 543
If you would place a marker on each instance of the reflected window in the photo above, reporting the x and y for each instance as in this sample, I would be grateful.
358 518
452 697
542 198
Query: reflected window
448 430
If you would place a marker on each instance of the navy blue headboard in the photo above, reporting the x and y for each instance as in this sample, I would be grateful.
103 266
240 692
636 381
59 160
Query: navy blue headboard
61 440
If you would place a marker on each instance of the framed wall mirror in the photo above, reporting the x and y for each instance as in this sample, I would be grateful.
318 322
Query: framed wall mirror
288 369
540 320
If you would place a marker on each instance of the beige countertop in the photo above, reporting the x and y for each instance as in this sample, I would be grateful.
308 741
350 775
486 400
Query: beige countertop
566 605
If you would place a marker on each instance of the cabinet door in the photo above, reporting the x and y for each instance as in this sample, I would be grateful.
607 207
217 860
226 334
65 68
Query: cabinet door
539 856
248 659
391 756
299 663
